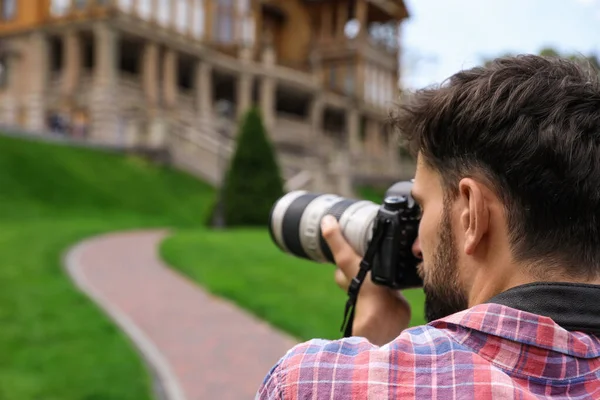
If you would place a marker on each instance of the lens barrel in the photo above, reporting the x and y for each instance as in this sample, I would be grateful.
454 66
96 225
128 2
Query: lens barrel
295 223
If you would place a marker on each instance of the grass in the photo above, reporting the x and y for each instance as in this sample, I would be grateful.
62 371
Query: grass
54 342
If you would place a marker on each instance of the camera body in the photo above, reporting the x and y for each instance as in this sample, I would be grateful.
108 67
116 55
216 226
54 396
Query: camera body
394 264
384 232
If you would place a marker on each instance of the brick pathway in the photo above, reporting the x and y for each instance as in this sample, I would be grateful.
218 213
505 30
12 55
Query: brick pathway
199 346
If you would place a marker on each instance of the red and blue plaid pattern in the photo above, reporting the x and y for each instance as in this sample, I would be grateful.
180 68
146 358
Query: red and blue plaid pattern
489 351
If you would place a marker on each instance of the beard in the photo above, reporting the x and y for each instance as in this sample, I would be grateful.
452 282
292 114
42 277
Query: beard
443 294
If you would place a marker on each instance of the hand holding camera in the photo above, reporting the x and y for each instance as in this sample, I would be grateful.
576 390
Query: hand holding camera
370 244
381 313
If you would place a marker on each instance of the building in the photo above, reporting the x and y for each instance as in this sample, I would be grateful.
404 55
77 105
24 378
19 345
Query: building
176 74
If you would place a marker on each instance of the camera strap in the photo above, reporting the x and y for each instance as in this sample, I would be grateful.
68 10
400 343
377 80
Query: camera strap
365 266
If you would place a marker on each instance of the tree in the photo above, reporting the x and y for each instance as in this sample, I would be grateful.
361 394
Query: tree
253 181
589 60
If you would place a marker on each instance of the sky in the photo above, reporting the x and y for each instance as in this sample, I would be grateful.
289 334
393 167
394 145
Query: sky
442 37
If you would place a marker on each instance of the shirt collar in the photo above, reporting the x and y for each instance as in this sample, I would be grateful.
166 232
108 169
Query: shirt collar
562 317
573 306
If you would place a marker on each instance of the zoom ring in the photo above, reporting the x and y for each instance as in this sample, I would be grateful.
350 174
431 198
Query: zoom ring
337 210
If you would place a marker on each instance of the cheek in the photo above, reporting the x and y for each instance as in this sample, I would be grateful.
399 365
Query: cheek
427 234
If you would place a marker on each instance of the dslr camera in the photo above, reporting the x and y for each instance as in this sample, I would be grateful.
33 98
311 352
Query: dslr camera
382 234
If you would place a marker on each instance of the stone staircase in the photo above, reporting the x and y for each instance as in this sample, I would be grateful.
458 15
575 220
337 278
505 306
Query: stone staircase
206 154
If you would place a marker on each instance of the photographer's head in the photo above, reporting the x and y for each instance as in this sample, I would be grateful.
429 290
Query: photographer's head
508 177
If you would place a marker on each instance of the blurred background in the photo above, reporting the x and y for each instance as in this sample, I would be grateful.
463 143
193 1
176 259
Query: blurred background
197 115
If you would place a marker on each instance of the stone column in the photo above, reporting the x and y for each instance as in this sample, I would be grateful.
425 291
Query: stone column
267 102
170 78
392 144
353 129
150 78
378 136
244 93
13 61
317 108
344 173
38 65
368 142
374 137
105 121
318 159
72 62
204 90
268 87
162 125
150 84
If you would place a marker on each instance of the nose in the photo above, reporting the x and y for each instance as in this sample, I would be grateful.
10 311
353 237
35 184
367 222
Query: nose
416 249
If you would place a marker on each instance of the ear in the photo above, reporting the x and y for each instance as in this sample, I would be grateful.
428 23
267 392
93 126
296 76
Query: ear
475 215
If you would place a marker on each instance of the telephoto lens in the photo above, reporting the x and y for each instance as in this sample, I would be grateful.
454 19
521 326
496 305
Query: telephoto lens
382 234
295 223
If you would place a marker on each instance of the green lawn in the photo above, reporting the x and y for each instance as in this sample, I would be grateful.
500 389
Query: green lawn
54 342
295 295
244 265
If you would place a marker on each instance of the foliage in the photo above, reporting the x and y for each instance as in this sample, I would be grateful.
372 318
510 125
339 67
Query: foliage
590 60
374 193
55 342
253 182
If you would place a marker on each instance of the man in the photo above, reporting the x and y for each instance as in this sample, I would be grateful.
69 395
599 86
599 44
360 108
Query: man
508 181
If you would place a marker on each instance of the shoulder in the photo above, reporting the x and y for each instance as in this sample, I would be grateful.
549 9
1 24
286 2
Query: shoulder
355 365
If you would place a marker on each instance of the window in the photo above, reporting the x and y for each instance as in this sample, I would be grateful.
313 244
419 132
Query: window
349 81
243 6
224 22
182 15
9 9
248 30
126 5
3 73
144 8
60 7
198 25
164 14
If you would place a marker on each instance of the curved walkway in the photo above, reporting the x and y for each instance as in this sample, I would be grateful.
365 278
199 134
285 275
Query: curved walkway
201 347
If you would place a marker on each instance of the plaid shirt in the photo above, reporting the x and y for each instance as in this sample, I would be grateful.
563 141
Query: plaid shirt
489 351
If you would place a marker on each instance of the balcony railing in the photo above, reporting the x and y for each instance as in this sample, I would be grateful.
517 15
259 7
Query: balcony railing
65 8
366 45
180 16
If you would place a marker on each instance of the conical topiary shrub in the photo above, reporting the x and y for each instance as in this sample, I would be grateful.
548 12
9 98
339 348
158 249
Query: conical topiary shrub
253 181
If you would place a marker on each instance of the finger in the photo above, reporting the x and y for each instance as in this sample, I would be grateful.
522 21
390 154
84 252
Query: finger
342 280
343 254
